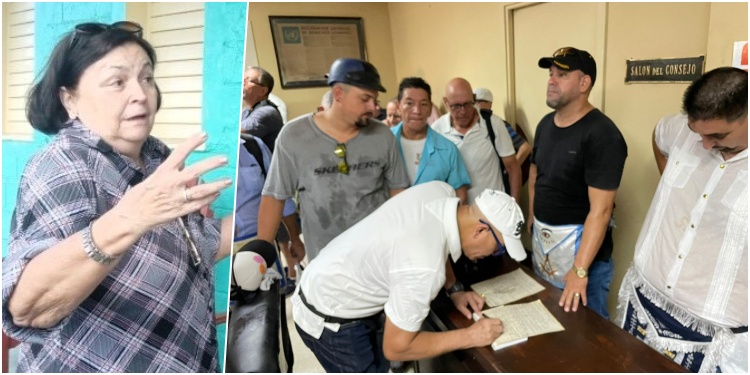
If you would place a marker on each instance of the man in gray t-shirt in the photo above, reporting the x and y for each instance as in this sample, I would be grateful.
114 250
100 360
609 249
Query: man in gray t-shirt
342 163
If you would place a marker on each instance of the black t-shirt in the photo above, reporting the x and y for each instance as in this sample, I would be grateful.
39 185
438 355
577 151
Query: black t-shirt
590 152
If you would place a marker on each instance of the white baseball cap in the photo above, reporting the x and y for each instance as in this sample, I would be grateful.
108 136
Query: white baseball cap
504 214
483 94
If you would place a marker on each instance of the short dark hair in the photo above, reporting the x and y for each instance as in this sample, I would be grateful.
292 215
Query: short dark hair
265 79
413 83
66 65
718 94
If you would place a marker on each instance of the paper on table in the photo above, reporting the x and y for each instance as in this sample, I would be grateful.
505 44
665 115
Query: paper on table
522 321
508 338
507 288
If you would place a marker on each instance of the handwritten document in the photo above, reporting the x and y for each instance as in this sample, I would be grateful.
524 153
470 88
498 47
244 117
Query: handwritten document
522 321
507 288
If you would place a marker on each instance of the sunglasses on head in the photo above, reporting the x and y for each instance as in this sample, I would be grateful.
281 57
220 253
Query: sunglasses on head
93 28
340 151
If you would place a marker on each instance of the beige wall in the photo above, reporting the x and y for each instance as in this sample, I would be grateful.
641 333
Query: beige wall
440 41
377 42
638 31
728 25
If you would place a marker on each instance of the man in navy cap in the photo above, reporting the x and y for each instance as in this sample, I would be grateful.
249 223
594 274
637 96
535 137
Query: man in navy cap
340 162
577 163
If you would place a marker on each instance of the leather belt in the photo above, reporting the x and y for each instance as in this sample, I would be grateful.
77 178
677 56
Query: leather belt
328 318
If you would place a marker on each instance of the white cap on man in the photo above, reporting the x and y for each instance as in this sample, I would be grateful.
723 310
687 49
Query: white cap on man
504 214
482 94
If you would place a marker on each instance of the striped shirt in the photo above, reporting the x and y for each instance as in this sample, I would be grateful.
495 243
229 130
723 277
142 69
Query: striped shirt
154 311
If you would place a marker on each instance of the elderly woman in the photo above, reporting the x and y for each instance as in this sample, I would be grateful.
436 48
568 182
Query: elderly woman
110 264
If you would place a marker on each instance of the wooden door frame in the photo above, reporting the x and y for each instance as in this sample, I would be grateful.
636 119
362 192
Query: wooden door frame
510 53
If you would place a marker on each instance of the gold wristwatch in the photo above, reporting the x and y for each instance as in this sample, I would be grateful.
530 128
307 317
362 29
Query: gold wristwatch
580 271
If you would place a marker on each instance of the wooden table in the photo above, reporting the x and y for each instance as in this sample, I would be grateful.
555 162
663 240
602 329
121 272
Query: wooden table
589 343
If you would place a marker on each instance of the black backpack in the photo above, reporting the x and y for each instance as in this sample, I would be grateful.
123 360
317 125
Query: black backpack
487 115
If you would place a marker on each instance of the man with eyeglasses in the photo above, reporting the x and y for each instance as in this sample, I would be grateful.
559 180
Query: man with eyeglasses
395 261
340 162
468 130
260 117
577 163
685 294
263 119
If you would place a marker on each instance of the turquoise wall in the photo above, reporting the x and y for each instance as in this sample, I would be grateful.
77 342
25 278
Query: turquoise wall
224 51
222 85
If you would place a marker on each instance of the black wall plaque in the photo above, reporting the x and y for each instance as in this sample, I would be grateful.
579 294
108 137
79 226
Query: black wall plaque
687 69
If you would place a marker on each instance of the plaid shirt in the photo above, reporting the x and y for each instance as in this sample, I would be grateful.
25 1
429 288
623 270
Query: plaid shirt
154 311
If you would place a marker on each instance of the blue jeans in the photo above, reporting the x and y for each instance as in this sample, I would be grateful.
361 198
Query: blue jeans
356 347
597 290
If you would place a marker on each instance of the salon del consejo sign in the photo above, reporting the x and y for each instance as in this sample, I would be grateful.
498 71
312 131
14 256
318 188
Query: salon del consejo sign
686 69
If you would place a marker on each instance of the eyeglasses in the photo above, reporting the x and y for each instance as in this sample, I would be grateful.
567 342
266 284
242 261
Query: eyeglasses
195 255
340 151
93 28
500 247
459 106
248 80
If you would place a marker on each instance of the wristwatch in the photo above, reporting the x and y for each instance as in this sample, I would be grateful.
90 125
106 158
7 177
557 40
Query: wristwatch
456 287
580 271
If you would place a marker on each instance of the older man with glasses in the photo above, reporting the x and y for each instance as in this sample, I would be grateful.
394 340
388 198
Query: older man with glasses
468 130
482 155
341 163
260 117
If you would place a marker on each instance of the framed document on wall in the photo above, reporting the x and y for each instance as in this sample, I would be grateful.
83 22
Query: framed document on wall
307 46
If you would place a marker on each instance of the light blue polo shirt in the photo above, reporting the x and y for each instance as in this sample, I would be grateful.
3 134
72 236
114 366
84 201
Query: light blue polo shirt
440 161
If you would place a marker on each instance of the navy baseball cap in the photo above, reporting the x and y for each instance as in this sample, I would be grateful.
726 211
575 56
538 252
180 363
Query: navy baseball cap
356 73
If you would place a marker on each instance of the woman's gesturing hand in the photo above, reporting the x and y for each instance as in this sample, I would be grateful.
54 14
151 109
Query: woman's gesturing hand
173 190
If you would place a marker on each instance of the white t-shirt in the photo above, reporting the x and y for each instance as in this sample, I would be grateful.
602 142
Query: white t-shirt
477 151
412 153
393 259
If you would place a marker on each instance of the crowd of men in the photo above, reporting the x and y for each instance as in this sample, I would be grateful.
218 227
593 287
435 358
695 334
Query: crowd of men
378 257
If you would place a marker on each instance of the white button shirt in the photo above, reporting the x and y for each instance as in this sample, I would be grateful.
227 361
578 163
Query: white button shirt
394 259
476 150
693 244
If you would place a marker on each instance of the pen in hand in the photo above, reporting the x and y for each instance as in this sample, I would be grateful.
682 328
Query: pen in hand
476 316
